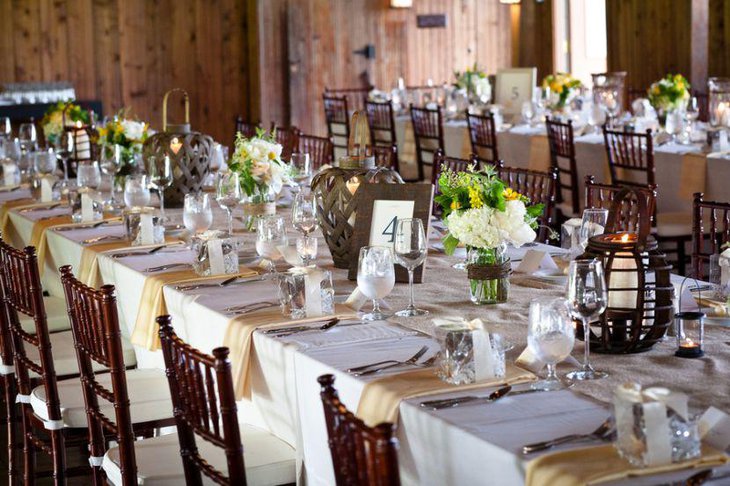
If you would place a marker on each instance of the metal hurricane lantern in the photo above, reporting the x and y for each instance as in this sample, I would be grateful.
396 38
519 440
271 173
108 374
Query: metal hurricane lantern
83 149
640 308
336 189
189 154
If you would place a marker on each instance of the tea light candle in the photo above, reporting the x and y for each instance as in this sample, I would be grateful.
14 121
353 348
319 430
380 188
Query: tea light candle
82 144
352 185
690 328
624 275
722 114
175 145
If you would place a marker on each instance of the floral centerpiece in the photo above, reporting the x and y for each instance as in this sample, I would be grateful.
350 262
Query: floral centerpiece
483 214
563 88
261 172
476 83
129 133
669 93
52 121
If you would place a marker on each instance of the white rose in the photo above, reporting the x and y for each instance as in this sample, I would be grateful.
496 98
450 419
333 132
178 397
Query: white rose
133 130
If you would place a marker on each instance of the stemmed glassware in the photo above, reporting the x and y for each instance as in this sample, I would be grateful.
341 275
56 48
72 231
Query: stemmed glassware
159 170
302 169
410 252
597 117
587 298
197 214
110 163
528 112
136 191
593 223
88 175
28 137
270 234
304 220
691 114
375 277
551 337
229 195
6 129
45 162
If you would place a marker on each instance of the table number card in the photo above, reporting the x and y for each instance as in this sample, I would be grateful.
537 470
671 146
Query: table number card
514 87
146 229
87 208
385 220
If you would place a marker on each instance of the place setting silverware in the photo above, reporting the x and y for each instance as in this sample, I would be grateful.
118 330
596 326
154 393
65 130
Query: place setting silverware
412 361
603 432
99 239
235 280
249 308
475 399
167 266
46 207
288 331
89 225
356 369
149 251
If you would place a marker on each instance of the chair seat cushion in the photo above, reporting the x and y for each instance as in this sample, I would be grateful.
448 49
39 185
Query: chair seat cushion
268 460
56 316
149 398
673 225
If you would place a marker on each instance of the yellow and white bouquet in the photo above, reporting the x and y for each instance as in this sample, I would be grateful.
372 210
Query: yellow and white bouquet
475 82
257 160
129 133
563 88
669 93
52 122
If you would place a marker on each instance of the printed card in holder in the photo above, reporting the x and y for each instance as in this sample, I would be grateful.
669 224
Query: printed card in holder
46 189
535 260
147 229
87 207
11 175
215 254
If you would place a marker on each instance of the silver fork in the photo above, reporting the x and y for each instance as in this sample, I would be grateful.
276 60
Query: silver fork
97 239
603 432
167 267
252 308
357 369
409 362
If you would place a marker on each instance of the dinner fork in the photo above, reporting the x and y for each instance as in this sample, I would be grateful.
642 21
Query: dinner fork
252 308
357 369
327 325
98 239
86 226
40 208
603 432
167 267
409 362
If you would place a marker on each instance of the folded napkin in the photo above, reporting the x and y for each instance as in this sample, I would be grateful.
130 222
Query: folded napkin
528 360
594 465
38 236
693 175
239 342
15 204
153 303
539 153
380 399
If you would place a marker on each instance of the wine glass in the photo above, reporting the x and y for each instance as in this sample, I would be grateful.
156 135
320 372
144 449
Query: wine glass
45 162
672 124
110 163
307 249
197 213
375 277
593 223
587 298
88 174
136 191
270 234
28 137
302 168
551 337
410 252
691 114
64 149
304 214
6 129
159 170
528 112
597 117
229 195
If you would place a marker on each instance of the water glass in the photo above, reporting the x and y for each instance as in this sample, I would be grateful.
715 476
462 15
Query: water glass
270 234
28 137
307 249
302 169
6 129
551 337
136 191
88 175
110 163
304 213
197 214
593 224
375 277
410 252
45 162
229 195
159 170
528 112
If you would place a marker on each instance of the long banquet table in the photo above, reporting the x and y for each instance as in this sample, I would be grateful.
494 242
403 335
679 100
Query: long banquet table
467 445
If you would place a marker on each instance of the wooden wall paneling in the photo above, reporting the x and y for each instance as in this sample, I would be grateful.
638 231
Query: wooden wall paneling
107 56
7 42
536 37
53 18
27 38
208 70
81 46
239 44
719 38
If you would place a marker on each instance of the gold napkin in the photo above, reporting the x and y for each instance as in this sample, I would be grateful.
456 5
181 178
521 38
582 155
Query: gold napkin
539 153
153 303
380 399
239 342
594 465
15 204
693 175
38 236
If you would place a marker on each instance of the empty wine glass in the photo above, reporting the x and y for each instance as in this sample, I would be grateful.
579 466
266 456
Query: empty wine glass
12 150
64 149
45 162
197 213
375 277
551 337
6 129
136 191
88 174
270 234
110 163
528 112
593 223
307 249
304 214
587 298
228 195
159 170
410 252
691 114
302 169
597 117
28 137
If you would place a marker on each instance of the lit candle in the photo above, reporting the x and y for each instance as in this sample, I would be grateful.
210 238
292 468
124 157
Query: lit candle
82 144
722 114
175 145
353 184
624 275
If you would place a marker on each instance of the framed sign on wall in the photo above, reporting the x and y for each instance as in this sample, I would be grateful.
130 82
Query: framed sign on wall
514 87
378 212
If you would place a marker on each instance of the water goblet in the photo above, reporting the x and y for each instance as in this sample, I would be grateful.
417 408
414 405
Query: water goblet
88 174
6 129
229 195
28 137
375 277
528 112
110 163
410 252
64 149
302 169
307 249
593 223
45 162
197 213
270 234
136 191
551 337
304 214
159 170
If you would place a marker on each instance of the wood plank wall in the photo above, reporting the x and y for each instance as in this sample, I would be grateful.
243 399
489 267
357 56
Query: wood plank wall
129 52
308 45
719 41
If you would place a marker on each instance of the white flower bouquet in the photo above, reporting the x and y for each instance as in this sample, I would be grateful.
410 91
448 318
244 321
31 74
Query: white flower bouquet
129 133
257 160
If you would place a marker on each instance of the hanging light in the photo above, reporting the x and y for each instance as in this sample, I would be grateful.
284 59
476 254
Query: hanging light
401 3
509 2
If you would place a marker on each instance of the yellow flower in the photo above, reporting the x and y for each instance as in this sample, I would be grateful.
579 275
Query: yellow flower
511 195
455 205
475 198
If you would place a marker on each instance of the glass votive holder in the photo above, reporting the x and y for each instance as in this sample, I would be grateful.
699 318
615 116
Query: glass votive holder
11 174
499 350
307 249
217 256
133 226
298 301
80 212
690 329
456 359
720 275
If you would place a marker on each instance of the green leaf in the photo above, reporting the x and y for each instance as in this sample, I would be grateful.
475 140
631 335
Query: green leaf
450 244
536 210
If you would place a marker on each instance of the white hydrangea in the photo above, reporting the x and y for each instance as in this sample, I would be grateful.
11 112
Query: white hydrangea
488 228
512 224
133 130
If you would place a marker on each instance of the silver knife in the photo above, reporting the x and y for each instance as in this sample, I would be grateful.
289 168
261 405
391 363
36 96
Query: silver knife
469 399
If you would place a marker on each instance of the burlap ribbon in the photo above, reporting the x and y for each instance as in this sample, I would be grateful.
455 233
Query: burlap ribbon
260 209
488 272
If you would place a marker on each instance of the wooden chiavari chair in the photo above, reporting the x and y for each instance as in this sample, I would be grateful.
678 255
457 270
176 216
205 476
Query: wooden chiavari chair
710 231
138 398
361 455
320 149
205 407
483 137
246 129
539 187
428 133
382 123
337 116
440 163
356 97
7 381
602 196
386 156
562 158
288 137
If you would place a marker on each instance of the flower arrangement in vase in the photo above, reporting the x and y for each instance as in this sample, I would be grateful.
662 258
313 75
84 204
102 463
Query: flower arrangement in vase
476 83
485 215
669 93
563 88
129 134
52 121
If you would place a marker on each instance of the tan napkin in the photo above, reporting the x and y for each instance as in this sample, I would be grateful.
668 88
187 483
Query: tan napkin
693 175
153 303
594 465
380 399
239 342
24 203
38 236
539 153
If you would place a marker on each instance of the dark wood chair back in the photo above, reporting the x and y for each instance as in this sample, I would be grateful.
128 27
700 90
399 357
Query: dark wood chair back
440 163
337 116
562 158
629 220
321 150
428 133
361 455
356 97
539 187
630 157
386 156
710 231
483 137
288 138
246 129
205 406
382 123
98 339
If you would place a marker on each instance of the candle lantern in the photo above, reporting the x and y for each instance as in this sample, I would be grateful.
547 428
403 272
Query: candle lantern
608 90
188 151
336 189
718 103
640 309
689 327
79 146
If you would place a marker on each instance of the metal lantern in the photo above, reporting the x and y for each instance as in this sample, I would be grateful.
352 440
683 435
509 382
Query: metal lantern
189 154
718 103
640 309
336 190
80 147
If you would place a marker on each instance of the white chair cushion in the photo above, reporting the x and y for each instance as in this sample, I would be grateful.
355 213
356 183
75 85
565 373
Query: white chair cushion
149 397
268 460
672 225
56 316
